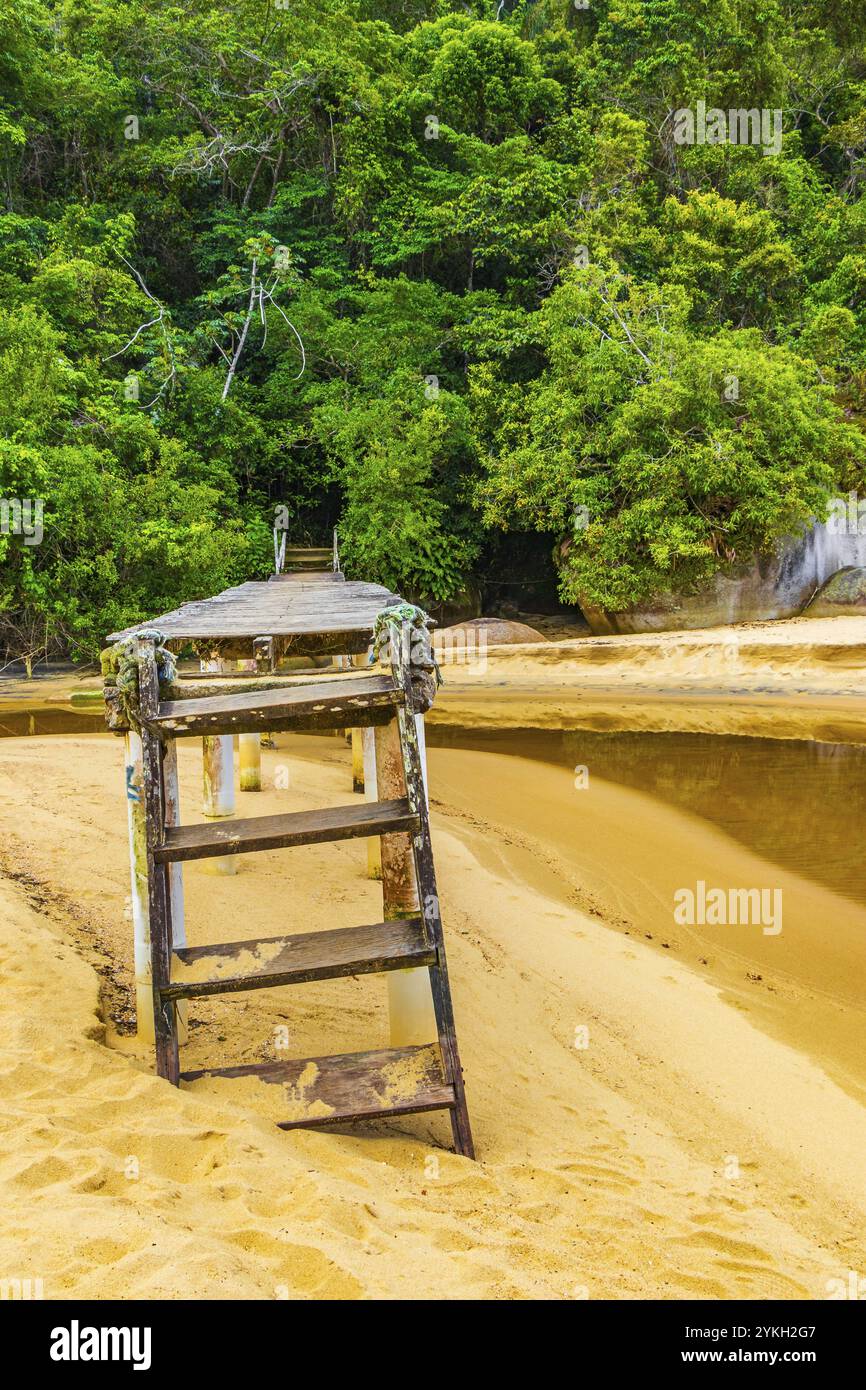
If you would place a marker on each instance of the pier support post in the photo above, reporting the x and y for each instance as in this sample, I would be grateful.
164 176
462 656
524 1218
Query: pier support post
371 793
250 761
356 736
357 760
218 800
218 781
250 745
263 662
410 1002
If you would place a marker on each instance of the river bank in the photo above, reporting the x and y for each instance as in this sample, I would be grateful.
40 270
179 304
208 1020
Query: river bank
799 679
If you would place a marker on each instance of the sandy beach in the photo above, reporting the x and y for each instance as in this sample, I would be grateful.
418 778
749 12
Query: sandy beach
802 678
704 1138
402 895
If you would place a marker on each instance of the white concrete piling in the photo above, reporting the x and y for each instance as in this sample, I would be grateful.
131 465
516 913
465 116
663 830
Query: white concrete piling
218 780
250 762
218 788
138 885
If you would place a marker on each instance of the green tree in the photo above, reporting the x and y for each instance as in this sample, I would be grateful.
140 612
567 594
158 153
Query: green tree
657 456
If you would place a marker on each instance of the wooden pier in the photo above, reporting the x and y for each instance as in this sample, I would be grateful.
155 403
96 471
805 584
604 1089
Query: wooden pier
301 613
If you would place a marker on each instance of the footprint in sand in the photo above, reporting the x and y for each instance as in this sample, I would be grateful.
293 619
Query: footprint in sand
540 1212
455 1239
102 1251
748 1267
307 1273
44 1172
594 1173
723 1244
752 1282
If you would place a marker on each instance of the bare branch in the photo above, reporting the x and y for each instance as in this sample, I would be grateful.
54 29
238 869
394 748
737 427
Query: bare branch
271 299
246 328
159 321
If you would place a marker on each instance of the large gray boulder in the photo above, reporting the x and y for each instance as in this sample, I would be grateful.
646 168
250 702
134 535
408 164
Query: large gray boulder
495 632
771 586
844 594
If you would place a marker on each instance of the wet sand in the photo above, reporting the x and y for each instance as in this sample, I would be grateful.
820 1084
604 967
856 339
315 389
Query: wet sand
706 1141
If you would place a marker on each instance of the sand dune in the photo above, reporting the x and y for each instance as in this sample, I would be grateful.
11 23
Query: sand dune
607 1170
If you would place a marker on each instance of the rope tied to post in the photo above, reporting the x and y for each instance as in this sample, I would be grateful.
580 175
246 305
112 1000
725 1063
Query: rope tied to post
388 631
120 672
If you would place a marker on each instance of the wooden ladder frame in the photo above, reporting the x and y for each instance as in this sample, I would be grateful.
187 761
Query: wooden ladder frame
428 895
400 776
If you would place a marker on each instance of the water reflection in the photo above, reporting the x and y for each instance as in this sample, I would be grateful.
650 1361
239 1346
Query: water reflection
17 723
798 804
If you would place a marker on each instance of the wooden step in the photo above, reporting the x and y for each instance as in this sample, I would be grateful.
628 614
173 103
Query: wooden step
352 1085
289 960
311 576
217 837
309 554
352 703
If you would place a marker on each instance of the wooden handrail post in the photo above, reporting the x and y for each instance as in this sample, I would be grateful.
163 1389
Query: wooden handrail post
175 876
158 876
410 1000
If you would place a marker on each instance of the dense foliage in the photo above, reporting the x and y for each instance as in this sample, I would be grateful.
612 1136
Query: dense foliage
431 271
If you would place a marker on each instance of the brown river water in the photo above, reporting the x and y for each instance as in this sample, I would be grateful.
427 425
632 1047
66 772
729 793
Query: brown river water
794 803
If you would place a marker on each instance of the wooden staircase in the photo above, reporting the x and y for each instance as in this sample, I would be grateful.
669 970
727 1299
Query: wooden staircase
297 562
319 1090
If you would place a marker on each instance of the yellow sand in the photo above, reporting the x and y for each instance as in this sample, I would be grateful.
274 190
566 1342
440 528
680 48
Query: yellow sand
703 1138
404 1078
298 1106
226 967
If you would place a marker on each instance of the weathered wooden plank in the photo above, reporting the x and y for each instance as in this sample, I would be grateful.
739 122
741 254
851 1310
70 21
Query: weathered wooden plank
316 619
299 554
281 832
285 960
205 685
351 1086
306 607
301 576
317 704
